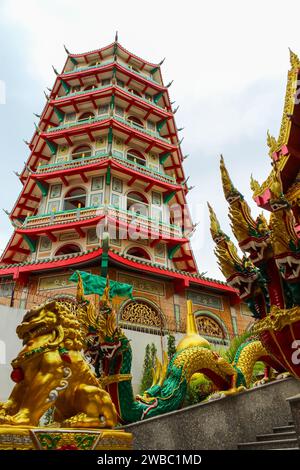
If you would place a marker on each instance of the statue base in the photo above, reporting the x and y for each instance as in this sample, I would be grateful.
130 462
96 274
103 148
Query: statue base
47 438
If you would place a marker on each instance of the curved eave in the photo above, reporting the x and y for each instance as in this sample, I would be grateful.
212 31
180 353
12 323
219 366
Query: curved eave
104 163
183 278
107 48
113 65
119 92
51 228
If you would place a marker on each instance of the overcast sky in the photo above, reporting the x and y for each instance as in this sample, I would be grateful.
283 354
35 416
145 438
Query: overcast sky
229 61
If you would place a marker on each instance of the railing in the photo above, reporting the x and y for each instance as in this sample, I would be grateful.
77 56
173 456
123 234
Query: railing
80 122
99 155
145 169
141 129
131 124
81 92
88 67
107 62
128 217
71 163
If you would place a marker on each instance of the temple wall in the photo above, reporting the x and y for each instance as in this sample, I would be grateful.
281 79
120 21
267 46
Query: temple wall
10 346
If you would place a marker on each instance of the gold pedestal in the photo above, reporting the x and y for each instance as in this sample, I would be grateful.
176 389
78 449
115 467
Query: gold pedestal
30 438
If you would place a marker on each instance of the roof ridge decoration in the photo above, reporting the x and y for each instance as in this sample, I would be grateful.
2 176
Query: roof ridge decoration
275 145
130 258
151 64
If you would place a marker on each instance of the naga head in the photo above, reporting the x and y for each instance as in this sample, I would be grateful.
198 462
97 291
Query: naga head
240 273
286 244
151 397
252 235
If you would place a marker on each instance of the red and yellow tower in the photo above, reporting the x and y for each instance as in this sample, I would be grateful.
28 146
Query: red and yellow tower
106 153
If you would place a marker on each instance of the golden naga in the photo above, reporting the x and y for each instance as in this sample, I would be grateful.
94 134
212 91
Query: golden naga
252 235
50 370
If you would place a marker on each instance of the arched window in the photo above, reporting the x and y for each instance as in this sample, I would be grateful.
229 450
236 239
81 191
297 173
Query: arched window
135 92
135 121
136 157
138 252
142 313
137 203
89 87
85 116
208 326
75 198
83 151
68 249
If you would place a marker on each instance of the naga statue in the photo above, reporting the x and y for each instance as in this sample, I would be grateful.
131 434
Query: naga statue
110 351
267 277
51 371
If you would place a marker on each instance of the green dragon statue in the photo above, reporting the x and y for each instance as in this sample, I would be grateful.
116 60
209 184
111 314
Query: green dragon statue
111 348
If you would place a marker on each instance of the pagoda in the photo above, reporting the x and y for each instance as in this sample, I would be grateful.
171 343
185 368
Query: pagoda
106 154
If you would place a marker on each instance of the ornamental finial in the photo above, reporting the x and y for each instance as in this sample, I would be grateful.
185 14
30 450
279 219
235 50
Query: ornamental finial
272 143
162 61
229 190
116 36
215 228
294 60
255 186
55 71
66 50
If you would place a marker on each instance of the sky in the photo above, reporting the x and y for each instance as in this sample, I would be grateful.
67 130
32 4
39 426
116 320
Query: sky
229 62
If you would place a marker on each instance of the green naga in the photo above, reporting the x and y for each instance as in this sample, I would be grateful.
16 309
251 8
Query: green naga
111 353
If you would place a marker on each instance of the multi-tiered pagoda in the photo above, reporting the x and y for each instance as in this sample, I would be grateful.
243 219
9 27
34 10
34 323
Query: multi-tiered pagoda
106 153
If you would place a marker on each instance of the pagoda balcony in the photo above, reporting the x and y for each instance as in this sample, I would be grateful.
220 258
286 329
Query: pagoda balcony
109 62
100 156
106 87
39 224
96 119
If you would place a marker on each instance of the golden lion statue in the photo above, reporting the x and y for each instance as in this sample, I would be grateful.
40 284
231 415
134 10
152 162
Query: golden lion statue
50 370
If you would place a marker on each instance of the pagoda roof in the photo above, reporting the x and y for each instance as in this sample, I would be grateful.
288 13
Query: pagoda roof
76 260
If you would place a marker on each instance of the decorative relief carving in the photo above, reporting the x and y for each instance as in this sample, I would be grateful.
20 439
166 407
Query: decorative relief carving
143 285
140 312
55 282
209 327
207 300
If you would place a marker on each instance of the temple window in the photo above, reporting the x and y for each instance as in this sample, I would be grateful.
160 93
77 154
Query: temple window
86 116
151 126
142 315
120 83
90 87
68 249
136 157
105 82
135 121
119 111
74 199
135 92
103 109
83 151
137 203
70 117
138 252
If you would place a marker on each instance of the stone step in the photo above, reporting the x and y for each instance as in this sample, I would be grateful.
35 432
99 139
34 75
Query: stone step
275 444
287 428
276 436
